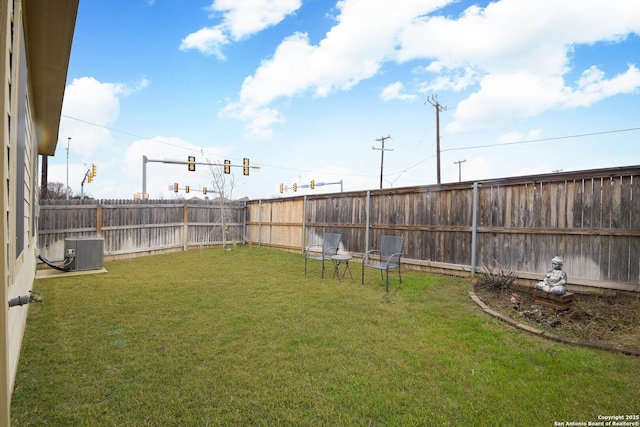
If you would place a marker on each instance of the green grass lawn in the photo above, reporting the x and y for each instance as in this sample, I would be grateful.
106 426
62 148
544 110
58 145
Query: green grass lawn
242 337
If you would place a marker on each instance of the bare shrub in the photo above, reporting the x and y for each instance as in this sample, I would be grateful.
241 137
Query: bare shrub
497 278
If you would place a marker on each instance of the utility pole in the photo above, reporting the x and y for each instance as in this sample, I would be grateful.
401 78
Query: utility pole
67 189
435 103
44 184
382 150
459 163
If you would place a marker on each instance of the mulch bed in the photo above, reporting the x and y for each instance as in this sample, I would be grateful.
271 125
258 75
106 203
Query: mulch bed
606 319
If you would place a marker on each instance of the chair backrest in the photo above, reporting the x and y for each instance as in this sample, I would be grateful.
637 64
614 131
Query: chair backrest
331 243
391 245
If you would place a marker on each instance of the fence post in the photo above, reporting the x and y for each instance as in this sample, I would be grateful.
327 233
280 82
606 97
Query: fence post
260 223
474 229
304 222
144 175
368 224
185 220
99 220
244 224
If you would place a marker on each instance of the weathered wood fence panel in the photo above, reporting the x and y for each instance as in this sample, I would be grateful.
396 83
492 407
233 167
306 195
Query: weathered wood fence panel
213 224
59 222
141 227
281 218
130 228
590 218
343 213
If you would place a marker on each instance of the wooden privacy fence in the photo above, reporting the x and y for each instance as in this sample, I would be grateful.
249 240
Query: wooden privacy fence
589 218
131 227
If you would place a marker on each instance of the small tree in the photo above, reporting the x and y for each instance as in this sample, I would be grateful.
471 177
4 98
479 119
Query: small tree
223 185
55 191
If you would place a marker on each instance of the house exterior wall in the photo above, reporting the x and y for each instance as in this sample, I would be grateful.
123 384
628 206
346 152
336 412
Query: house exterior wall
6 18
19 158
33 64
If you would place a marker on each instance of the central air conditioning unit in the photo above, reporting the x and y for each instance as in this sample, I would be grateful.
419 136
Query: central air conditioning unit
84 253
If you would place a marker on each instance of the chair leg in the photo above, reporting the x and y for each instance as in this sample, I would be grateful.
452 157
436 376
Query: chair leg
322 274
399 274
387 279
362 280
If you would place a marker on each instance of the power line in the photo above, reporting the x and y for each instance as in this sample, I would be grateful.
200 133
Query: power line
365 175
128 133
511 143
203 153
529 141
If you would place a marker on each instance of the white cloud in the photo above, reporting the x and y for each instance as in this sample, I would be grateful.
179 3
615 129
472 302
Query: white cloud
353 50
456 80
89 107
519 54
260 119
247 17
208 41
592 86
394 91
240 19
521 94
503 97
513 54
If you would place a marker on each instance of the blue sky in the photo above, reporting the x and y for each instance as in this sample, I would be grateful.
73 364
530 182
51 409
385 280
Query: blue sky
304 88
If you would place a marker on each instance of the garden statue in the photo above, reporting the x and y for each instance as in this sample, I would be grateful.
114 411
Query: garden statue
555 281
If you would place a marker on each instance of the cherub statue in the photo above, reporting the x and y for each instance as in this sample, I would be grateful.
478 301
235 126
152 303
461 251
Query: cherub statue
555 281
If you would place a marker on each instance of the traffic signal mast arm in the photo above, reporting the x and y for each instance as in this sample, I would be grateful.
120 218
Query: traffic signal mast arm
90 174
313 185
191 164
178 162
88 177
187 189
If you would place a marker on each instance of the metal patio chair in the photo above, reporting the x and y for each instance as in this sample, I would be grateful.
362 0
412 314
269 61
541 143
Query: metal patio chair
388 257
329 248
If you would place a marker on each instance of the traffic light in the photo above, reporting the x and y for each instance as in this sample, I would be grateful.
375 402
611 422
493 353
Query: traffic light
227 166
245 166
295 187
89 179
313 184
204 190
186 188
281 188
192 163
93 171
175 187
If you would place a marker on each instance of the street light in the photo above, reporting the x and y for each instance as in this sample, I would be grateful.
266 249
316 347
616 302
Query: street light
67 189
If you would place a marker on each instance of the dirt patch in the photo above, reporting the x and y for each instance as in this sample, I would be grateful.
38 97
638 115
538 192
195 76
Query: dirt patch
605 319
